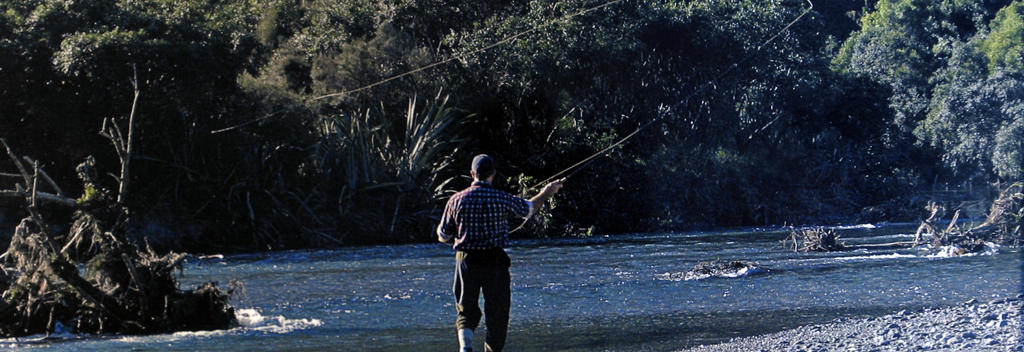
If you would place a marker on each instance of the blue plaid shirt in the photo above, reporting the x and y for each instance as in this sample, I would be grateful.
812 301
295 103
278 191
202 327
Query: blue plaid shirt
477 217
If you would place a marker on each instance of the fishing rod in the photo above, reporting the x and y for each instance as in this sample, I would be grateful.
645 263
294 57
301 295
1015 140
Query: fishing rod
577 167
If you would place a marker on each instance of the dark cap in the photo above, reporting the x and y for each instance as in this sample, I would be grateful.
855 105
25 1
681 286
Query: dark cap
483 166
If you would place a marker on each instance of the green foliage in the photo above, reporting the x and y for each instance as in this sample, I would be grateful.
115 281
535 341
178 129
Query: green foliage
280 21
79 52
1004 45
236 141
1008 156
902 43
380 162
952 81
362 61
89 193
974 121
332 24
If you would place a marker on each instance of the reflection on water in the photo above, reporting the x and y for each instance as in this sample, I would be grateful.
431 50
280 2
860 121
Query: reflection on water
606 293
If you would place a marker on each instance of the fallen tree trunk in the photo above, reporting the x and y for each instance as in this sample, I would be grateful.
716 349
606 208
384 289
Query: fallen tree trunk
43 196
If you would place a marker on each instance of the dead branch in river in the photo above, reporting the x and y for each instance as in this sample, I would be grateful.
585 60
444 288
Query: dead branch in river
93 279
24 190
817 239
122 145
1002 226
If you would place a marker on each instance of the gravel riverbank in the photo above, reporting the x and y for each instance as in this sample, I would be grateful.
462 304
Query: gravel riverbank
972 326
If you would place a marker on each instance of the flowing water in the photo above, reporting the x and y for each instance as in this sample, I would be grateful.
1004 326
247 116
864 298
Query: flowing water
616 293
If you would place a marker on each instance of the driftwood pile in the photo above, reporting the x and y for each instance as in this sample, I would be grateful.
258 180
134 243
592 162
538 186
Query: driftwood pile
116 289
818 239
91 278
1002 226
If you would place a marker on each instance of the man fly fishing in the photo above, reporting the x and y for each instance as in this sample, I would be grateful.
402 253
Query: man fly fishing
476 222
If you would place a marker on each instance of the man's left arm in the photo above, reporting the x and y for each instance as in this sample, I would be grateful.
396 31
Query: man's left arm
527 208
446 228
546 193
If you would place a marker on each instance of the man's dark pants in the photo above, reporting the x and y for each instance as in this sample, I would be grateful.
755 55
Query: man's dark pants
484 271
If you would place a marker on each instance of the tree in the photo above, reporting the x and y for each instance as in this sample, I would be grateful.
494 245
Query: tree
901 43
1004 44
975 125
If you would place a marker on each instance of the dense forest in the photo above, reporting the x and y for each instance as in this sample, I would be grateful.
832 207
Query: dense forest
250 136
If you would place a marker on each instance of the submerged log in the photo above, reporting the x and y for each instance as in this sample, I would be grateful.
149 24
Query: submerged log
719 268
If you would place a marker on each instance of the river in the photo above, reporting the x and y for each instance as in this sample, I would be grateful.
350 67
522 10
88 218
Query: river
605 293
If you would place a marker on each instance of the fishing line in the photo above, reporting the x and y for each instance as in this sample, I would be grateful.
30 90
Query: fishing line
473 52
439 63
586 161
580 165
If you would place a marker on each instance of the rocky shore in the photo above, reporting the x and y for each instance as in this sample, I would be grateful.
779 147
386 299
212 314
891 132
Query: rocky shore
972 326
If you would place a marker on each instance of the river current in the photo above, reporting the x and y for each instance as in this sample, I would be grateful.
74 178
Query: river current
607 293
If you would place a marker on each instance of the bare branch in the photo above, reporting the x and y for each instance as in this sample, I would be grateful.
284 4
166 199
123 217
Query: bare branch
952 223
74 239
119 143
135 279
122 193
14 158
35 184
103 130
112 132
42 196
175 259
46 177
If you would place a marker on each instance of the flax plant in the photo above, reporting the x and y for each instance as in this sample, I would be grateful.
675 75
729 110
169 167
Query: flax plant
392 176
